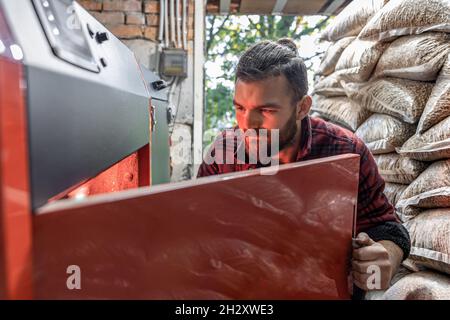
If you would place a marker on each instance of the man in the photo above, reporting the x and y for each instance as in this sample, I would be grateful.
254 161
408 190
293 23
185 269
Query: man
271 93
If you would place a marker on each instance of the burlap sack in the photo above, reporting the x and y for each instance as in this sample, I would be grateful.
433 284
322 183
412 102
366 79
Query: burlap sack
315 114
329 86
405 17
379 294
438 105
430 239
400 98
383 133
408 213
433 144
397 169
431 189
417 57
358 60
341 110
393 192
352 19
423 285
332 56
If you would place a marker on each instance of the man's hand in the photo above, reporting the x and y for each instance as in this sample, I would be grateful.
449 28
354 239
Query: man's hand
374 263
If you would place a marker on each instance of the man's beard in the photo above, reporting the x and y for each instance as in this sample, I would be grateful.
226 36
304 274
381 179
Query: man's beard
286 137
288 132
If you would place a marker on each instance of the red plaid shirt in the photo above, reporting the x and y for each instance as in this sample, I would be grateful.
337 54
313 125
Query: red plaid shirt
320 139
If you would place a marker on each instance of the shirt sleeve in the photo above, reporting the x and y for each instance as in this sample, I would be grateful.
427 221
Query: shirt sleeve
376 216
207 169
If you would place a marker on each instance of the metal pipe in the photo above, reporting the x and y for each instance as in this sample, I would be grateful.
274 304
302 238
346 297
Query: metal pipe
161 21
184 33
178 24
166 23
225 7
172 22
278 7
333 6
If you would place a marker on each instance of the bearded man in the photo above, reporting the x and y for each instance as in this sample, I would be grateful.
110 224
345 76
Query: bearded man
271 93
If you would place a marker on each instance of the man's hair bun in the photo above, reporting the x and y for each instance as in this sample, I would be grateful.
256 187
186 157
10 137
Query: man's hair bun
287 42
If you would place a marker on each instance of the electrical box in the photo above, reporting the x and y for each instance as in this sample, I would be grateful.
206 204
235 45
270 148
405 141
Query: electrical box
173 63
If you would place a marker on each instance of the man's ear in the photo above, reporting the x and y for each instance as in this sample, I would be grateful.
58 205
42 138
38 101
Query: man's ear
303 107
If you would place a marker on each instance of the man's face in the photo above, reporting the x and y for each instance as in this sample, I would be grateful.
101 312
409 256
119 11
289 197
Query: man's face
267 104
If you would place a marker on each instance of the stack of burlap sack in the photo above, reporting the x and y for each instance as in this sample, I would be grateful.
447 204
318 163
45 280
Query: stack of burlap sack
386 77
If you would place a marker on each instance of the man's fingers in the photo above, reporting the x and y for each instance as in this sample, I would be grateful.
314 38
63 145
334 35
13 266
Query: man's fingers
362 273
363 267
361 285
361 277
360 266
373 252
365 254
363 239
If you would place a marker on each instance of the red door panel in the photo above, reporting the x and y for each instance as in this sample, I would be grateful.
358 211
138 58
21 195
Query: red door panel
236 236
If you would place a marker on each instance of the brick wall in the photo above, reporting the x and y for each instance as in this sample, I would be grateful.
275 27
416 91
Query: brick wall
133 19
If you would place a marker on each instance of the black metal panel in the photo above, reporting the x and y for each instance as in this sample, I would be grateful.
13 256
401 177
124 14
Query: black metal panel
80 122
160 154
79 128
151 78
